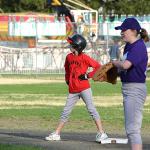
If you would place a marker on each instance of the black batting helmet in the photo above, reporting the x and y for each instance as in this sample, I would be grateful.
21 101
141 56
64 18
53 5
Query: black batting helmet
78 42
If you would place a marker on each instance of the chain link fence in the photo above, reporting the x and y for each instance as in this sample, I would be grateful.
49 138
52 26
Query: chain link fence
47 55
43 60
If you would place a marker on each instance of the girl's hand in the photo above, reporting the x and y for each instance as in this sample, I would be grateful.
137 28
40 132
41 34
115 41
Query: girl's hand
83 77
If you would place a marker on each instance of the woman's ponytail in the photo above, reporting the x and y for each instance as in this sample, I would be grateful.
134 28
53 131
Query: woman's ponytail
144 35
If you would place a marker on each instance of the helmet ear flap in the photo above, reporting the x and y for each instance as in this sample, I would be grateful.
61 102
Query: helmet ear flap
80 50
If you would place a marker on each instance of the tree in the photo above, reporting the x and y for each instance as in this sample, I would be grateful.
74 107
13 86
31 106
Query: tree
22 5
136 7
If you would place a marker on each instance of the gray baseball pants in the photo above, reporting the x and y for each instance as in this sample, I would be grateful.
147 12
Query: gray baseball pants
72 98
134 95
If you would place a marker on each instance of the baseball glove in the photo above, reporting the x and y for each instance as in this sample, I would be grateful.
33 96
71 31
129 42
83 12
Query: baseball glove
107 73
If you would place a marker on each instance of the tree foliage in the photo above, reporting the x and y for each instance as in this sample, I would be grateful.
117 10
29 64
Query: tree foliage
22 5
136 7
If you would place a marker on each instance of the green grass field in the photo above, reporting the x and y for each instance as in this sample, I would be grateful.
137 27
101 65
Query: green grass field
61 89
38 107
44 102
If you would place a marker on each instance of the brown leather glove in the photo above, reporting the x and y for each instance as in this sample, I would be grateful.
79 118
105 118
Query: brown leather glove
107 73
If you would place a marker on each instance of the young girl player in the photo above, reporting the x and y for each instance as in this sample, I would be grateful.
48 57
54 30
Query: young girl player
76 76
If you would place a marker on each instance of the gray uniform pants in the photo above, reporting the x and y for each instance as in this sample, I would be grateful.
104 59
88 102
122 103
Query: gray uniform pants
72 98
134 95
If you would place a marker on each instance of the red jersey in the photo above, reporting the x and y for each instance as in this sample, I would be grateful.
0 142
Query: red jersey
76 65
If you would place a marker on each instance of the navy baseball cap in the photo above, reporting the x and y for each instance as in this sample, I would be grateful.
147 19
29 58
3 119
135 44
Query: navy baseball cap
129 23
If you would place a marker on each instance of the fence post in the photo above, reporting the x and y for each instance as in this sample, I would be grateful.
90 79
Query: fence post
36 40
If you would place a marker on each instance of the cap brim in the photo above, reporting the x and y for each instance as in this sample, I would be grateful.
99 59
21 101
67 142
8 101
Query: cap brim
69 40
118 28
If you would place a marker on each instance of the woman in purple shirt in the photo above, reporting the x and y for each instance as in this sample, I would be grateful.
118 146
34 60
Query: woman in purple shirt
133 74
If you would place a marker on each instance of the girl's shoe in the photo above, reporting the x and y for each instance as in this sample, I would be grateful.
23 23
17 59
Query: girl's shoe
101 136
53 137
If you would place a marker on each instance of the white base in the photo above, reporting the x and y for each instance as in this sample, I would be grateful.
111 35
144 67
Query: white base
114 140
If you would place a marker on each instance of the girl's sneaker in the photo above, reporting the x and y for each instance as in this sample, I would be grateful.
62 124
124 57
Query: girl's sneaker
101 136
53 137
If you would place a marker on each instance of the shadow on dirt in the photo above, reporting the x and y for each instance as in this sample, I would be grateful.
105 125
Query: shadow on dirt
70 141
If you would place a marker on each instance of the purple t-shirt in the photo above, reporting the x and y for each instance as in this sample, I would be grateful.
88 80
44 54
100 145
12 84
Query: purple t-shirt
136 53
